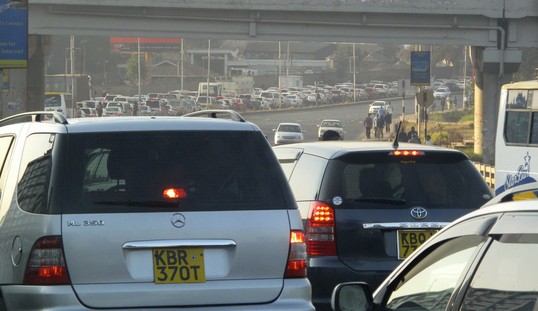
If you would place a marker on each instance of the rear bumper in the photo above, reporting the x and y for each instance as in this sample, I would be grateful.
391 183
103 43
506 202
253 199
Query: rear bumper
295 295
326 272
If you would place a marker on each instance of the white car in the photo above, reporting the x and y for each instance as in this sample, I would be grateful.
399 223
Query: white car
288 133
293 100
376 105
442 92
330 125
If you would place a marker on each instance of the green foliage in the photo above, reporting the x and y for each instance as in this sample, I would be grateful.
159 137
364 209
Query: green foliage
452 116
132 69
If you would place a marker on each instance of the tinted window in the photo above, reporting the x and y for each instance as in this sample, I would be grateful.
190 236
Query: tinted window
35 173
434 180
429 284
506 277
213 171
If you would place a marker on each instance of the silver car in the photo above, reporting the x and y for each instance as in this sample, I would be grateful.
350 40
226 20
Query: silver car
288 133
146 213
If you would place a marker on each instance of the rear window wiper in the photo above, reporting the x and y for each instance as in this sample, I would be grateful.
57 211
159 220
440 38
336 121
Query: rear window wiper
139 203
382 201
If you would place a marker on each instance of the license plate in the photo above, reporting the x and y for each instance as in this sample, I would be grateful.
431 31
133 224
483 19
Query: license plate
178 265
409 241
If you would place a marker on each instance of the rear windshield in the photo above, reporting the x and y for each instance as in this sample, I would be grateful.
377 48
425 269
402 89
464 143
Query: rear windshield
434 180
210 170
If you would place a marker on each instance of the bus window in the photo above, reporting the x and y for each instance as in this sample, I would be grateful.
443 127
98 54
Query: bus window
60 102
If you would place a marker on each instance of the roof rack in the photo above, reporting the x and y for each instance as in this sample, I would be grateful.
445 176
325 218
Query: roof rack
35 116
217 114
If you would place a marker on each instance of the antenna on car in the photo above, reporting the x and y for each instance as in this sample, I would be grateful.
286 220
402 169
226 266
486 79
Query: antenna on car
395 144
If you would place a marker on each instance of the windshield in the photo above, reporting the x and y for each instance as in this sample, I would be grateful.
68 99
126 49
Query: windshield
53 101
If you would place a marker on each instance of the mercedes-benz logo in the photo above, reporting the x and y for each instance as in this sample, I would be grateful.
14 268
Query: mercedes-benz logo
419 213
178 220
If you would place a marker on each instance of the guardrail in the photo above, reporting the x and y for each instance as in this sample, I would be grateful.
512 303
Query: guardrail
488 172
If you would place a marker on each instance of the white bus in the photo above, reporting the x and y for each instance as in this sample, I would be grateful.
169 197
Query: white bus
60 102
516 142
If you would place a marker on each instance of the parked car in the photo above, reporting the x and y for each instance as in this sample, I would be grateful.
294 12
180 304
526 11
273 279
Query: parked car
288 133
293 100
376 105
112 111
123 213
331 125
144 110
484 260
367 206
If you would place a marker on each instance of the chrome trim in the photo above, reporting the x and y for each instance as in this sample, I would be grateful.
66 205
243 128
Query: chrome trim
405 225
177 243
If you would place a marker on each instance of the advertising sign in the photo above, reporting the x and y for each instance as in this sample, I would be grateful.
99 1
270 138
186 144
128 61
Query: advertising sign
14 30
420 68
130 44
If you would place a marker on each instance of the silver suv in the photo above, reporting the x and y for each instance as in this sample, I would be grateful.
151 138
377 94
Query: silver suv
146 213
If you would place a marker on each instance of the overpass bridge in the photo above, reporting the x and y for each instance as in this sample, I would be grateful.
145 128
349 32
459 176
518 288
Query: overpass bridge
496 29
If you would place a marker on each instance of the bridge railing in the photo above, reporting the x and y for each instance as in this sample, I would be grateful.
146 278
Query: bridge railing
488 172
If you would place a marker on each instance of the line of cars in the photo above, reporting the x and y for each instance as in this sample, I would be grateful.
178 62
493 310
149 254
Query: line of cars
368 211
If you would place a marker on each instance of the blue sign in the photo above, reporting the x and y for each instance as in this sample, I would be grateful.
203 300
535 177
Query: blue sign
14 30
420 68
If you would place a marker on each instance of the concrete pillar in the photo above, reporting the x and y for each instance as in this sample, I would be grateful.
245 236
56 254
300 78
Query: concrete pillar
35 90
493 68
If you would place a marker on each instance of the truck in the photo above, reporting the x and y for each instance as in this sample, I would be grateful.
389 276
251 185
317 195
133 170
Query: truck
287 82
228 87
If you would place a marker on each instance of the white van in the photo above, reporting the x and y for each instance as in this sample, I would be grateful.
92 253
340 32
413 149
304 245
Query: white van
60 102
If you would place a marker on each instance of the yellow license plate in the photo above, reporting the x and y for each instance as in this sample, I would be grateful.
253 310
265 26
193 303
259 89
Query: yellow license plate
178 265
409 241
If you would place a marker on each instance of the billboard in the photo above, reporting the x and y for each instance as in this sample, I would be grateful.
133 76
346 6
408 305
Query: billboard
420 68
14 30
130 44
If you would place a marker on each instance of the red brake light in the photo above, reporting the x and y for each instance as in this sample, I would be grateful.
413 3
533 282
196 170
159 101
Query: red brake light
320 237
296 267
407 153
174 193
46 265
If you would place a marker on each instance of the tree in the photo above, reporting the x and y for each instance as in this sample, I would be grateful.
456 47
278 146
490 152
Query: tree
132 69
341 61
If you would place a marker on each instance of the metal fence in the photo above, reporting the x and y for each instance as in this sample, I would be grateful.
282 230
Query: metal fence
488 172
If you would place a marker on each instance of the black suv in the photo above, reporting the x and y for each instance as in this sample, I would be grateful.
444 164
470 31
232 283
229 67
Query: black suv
367 206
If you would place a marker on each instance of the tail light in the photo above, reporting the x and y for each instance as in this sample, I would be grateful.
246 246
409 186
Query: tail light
320 237
46 265
296 267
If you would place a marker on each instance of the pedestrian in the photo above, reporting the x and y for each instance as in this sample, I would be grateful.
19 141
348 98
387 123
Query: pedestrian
99 109
414 139
368 123
388 122
443 103
402 136
455 100
412 133
381 125
428 140
374 124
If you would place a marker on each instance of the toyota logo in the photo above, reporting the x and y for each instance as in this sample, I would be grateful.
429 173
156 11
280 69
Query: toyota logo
178 220
419 213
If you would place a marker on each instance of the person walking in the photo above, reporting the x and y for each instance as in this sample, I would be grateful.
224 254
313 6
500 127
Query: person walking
412 133
381 125
374 124
368 123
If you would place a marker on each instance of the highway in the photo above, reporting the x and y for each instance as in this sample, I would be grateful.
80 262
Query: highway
352 116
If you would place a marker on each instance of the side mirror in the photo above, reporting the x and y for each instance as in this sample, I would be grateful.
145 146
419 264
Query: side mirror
355 296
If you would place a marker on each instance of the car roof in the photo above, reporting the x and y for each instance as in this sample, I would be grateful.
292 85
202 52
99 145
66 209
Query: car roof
331 149
154 123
